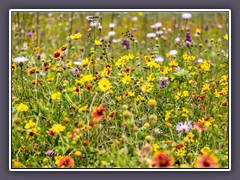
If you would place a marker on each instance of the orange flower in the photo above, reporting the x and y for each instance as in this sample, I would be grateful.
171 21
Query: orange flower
66 162
162 160
207 161
32 70
98 112
56 55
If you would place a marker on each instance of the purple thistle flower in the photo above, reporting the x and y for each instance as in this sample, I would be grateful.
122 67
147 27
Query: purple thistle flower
126 43
30 33
50 153
163 82
184 127
39 56
75 70
188 37
206 40
206 28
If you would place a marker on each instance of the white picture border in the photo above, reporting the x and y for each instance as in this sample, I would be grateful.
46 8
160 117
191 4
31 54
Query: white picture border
116 10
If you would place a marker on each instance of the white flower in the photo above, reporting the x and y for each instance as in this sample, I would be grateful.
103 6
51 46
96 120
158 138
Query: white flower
134 18
89 18
156 25
111 33
20 60
173 52
186 15
158 59
116 40
42 73
159 32
177 39
200 60
196 35
151 35
95 23
112 25
78 62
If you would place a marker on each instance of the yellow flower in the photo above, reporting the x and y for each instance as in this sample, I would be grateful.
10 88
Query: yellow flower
198 31
84 108
58 128
104 84
75 36
152 103
84 62
184 112
120 61
205 66
167 115
181 152
205 88
22 107
189 137
178 95
30 124
17 164
146 87
206 150
150 78
131 93
130 56
97 42
168 54
84 79
225 36
166 70
184 93
56 96
173 63
155 147
146 125
126 79
118 98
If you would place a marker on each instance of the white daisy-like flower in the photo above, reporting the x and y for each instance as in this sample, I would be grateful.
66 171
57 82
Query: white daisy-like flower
42 73
177 39
200 60
156 25
95 23
135 18
20 60
173 52
196 35
186 15
111 33
151 35
112 25
159 32
158 59
78 62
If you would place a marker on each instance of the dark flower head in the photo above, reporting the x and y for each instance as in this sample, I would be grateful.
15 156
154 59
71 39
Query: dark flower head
39 56
188 37
163 82
206 28
126 43
75 70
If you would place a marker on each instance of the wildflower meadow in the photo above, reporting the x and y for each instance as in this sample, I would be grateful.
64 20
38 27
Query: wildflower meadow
119 90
